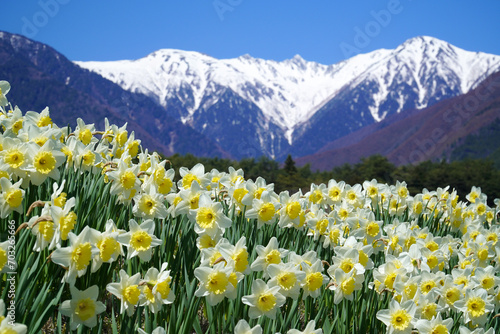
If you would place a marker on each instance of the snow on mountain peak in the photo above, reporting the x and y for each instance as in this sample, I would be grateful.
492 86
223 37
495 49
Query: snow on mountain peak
291 91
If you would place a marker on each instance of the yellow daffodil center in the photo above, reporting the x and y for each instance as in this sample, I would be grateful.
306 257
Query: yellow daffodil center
400 320
40 140
127 179
410 290
194 202
429 311
3 258
206 241
432 246
266 212
476 306
372 229
13 197
165 186
66 224
46 229
107 247
8 330
205 217
147 204
121 138
389 280
131 294
334 194
44 121
452 295
346 265
164 288
60 201
18 125
44 162
133 148
273 256
439 329
81 255
316 196
88 158
240 260
85 309
217 282
347 286
286 280
427 286
14 158
239 194
293 209
85 136
140 241
188 179
321 226
432 261
314 281
266 302
487 282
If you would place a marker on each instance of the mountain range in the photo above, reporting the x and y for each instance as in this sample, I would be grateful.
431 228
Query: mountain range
295 106
188 102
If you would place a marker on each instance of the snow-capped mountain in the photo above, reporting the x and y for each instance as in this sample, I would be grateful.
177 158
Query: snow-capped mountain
253 106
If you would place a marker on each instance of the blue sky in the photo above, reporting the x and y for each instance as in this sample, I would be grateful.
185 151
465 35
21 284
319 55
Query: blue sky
325 31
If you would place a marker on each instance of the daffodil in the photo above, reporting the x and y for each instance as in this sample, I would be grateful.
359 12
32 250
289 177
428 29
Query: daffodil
399 318
109 247
476 305
157 330
267 255
310 329
264 209
345 284
197 173
215 283
264 300
140 239
314 278
76 257
288 277
242 327
46 162
436 325
11 197
209 216
127 290
8 328
156 290
149 205
83 307
237 253
4 89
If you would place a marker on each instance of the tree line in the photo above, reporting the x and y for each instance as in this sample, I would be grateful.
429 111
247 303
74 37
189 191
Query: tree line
459 175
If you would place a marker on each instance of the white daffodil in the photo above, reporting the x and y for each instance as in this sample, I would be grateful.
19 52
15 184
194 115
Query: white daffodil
8 328
268 255
11 197
140 239
310 329
435 325
127 290
149 204
288 277
156 288
197 173
264 300
46 162
83 307
237 253
157 330
209 217
264 209
76 257
476 306
108 245
242 327
314 279
399 318
345 284
215 283
4 89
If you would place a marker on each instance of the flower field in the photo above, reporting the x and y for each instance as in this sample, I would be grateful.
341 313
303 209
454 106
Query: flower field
96 236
